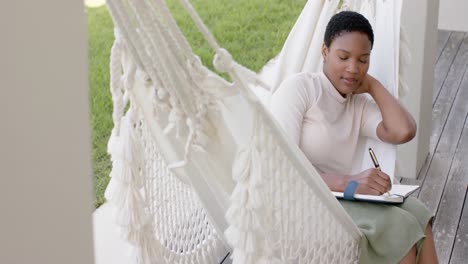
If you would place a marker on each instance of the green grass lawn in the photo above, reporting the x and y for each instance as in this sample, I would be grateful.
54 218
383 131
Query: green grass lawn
252 30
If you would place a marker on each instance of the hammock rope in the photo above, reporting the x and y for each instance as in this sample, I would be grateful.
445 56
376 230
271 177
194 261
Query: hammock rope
190 187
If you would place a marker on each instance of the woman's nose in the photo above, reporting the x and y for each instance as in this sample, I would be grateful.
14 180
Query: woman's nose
352 67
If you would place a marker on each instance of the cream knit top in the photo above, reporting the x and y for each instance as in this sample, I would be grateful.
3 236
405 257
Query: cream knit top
325 125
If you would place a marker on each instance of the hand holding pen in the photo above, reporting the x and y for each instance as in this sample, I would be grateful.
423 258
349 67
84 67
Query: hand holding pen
372 181
376 162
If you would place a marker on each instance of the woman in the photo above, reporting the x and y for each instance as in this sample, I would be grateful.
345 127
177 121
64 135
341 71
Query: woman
326 112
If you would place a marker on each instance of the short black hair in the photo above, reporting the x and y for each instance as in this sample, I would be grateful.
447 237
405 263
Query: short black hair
347 21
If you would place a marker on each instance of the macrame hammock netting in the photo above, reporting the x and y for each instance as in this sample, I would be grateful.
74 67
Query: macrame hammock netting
200 169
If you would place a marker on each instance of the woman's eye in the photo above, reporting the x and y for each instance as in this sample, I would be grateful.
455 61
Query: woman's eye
343 58
363 61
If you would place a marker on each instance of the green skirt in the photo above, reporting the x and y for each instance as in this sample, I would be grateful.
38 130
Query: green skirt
390 231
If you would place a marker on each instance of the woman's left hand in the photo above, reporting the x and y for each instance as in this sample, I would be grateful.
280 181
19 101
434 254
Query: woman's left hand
366 85
397 125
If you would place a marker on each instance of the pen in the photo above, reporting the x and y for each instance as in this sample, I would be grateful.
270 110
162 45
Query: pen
375 161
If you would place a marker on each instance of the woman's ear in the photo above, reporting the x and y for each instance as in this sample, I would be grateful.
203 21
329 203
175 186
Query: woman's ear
324 52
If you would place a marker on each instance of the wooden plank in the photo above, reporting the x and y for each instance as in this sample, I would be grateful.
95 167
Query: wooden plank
451 205
445 62
440 164
460 249
442 38
442 109
448 49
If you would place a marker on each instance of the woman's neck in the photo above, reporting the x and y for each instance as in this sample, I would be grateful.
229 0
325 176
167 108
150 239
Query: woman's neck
334 87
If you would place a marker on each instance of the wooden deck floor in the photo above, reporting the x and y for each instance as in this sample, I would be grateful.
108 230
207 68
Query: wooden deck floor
444 176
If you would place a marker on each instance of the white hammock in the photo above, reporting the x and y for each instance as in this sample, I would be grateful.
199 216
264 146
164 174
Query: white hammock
200 168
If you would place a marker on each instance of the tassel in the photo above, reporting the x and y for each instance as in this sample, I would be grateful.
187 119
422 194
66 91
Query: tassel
127 160
232 235
269 260
111 190
233 214
255 176
125 186
250 243
247 165
239 195
254 199
113 145
131 214
245 232
239 257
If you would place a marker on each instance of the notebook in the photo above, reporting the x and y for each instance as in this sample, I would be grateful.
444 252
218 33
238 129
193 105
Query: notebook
398 194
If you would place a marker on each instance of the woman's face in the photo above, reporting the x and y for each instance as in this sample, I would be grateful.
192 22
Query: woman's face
346 61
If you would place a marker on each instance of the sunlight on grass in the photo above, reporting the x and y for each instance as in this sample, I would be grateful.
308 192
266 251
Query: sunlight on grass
253 31
100 38
94 3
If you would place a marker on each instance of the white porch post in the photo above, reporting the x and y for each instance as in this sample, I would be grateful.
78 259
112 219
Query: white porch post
453 15
419 19
45 169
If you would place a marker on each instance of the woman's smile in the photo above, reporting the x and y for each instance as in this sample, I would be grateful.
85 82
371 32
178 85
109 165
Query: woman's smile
350 81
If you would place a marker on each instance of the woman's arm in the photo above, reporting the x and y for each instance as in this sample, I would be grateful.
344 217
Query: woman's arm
371 181
397 125
289 104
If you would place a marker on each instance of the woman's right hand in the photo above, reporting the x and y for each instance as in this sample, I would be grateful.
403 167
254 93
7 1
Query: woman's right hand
371 181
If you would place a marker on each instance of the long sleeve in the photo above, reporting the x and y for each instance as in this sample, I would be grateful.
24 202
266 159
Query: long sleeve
289 104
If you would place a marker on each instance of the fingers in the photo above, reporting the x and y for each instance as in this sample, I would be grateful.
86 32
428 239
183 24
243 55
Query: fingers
378 186
369 186
373 181
382 179
385 180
